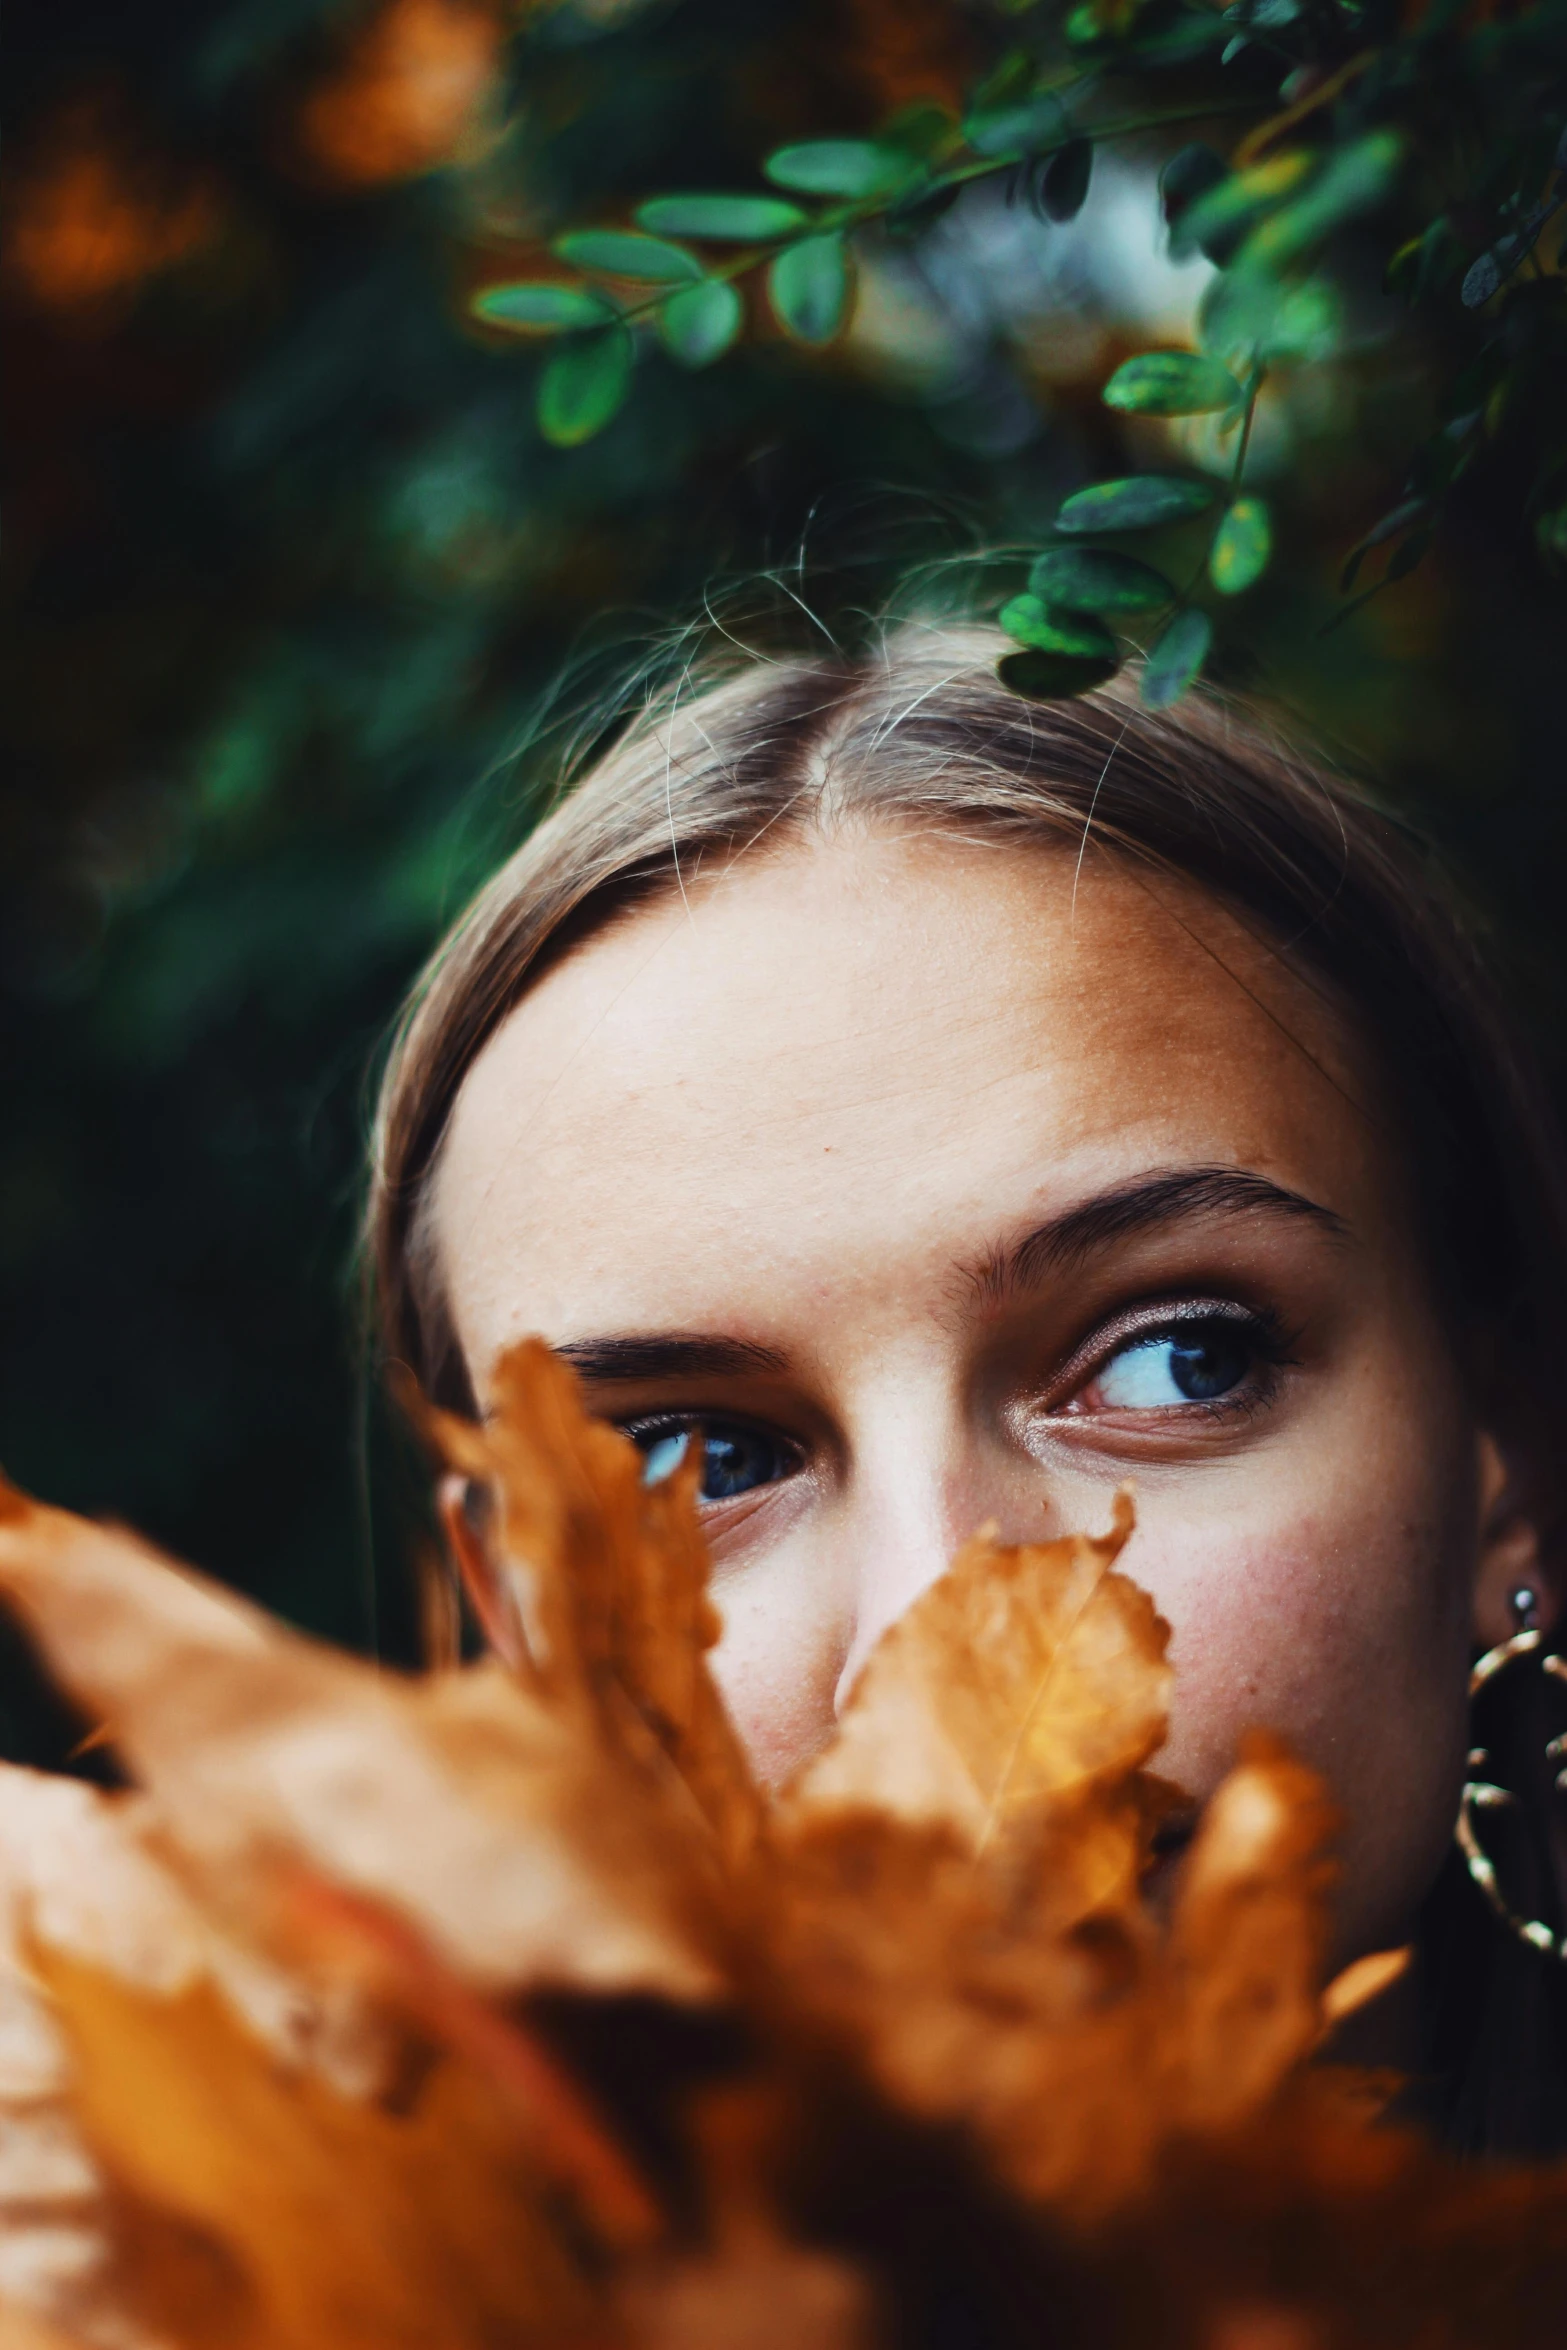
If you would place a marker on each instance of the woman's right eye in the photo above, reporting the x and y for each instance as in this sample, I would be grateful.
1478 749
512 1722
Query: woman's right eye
737 1456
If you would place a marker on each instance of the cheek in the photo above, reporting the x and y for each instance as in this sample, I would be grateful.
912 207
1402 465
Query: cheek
1342 1625
785 1637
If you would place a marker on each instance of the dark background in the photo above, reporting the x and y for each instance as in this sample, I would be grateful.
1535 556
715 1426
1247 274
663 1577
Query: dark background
293 584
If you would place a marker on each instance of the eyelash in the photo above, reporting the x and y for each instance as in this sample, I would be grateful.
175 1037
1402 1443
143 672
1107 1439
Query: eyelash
649 1430
1262 1328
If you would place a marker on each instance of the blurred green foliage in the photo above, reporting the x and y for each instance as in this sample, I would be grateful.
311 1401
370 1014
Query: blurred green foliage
303 603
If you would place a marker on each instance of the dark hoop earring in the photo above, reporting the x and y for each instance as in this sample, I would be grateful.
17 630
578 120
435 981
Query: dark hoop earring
1481 1794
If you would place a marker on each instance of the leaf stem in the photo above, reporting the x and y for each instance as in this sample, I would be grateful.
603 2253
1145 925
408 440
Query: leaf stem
844 217
1243 445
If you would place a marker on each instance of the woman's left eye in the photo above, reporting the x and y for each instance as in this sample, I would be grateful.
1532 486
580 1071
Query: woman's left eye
1166 1368
736 1457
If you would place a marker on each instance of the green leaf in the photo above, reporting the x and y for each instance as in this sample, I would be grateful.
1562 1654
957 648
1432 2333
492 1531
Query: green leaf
582 386
540 308
1023 128
621 252
697 325
1048 629
838 167
1411 510
1241 547
1190 173
1098 579
721 220
1407 554
920 129
1350 183
1063 185
809 286
1171 383
1425 263
1176 659
1213 222
1050 677
1550 536
1177 43
1259 318
1142 501
1009 80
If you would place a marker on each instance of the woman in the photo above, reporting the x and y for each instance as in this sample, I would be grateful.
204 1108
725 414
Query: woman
946 1109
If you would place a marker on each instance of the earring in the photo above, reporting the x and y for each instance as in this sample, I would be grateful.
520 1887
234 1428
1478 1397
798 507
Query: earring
1481 1794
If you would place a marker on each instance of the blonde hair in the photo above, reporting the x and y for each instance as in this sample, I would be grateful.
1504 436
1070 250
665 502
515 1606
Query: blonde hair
918 732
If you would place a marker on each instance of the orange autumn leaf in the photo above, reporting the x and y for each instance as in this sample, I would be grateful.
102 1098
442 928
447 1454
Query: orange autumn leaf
330 2219
466 1806
1249 1938
1014 1703
19 2331
1018 1677
608 1578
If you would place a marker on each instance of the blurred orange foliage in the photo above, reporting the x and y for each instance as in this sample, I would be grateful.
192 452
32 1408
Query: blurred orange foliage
93 214
408 94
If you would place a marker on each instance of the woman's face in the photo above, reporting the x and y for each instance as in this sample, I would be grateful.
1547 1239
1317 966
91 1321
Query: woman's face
941 1183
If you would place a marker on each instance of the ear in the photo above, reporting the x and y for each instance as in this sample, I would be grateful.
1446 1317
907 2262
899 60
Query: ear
1512 1554
463 1508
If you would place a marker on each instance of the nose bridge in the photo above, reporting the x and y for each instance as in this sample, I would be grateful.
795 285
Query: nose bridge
910 1496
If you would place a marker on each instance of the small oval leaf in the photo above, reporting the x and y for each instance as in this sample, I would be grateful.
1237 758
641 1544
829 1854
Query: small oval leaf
1356 180
1022 128
625 252
1176 659
1077 635
1063 184
582 386
1171 383
1250 315
540 308
809 287
1050 677
721 220
698 324
1098 579
1214 221
1241 547
1190 173
838 167
1141 502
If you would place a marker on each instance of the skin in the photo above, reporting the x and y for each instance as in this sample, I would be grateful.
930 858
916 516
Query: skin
813 1109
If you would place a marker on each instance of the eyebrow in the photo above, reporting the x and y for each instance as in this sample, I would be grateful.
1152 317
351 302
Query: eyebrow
1152 1201
1056 1246
668 1355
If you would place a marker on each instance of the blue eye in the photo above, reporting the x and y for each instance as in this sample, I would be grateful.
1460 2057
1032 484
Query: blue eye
736 1458
1177 1367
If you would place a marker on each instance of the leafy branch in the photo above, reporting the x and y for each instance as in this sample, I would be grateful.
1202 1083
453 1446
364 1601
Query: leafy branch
1435 144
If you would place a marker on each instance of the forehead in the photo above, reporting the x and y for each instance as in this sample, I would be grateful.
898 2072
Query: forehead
846 1054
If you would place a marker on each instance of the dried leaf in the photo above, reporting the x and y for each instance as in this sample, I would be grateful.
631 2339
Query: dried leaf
1249 1938
472 1810
332 2221
1024 1679
18 2331
750 2288
1366 1979
610 1577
